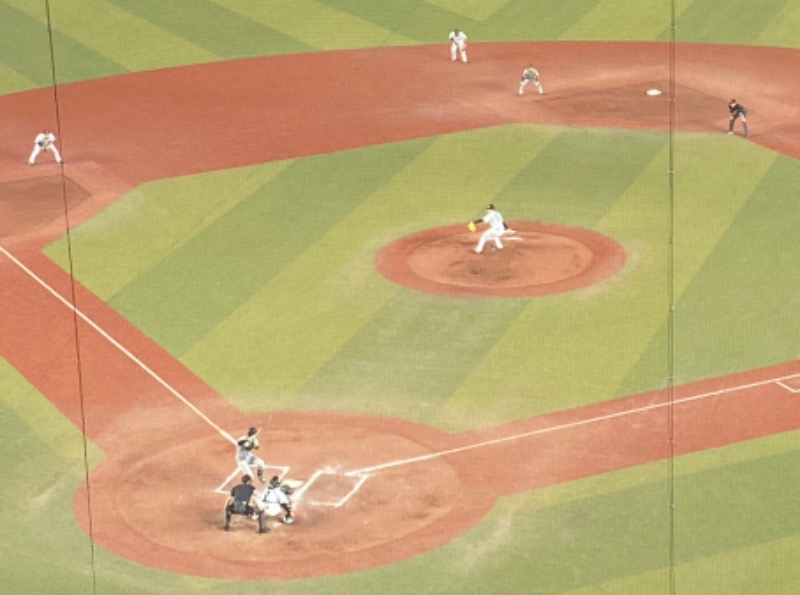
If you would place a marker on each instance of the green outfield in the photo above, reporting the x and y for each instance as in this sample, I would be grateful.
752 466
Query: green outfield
294 316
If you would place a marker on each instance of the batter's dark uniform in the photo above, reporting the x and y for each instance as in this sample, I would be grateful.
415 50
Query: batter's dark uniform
737 110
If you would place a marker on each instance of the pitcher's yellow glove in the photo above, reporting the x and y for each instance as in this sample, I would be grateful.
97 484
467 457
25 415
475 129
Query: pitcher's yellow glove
471 226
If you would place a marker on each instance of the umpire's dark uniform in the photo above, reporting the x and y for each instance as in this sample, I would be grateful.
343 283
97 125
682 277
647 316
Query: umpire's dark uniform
737 110
239 502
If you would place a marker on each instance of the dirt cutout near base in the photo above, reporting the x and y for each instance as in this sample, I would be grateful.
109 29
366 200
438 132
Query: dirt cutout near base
152 439
537 259
26 205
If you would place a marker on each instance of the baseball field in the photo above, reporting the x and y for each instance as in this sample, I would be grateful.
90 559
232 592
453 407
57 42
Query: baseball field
261 220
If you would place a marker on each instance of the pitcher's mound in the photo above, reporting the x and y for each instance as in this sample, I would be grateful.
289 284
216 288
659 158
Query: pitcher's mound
538 259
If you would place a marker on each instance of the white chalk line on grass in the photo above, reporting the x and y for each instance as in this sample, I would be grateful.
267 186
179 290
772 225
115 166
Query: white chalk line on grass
118 345
365 471
574 424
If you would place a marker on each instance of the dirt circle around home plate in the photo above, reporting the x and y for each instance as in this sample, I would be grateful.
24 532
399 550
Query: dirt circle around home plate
536 259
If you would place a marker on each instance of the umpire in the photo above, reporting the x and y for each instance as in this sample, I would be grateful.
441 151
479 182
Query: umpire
737 110
243 501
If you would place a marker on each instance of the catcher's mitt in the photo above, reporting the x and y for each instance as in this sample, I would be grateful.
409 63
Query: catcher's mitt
471 226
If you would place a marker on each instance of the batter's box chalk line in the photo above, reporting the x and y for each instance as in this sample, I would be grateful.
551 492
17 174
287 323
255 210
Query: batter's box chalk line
225 487
323 488
790 383
339 489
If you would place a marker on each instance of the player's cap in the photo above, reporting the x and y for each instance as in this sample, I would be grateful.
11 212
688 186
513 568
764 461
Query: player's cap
252 431
490 207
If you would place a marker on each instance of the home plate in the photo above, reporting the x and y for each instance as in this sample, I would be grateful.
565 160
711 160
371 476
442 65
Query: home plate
653 92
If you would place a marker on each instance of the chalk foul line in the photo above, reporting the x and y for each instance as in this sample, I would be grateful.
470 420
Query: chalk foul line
149 371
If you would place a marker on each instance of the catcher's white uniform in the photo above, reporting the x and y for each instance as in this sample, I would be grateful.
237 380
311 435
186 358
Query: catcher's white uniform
246 458
497 227
530 75
44 141
275 499
458 45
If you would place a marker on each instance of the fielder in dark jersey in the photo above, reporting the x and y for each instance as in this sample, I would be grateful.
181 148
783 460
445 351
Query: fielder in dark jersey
737 110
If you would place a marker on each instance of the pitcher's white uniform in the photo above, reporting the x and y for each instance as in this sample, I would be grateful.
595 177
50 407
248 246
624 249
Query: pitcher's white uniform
497 227
458 45
44 141
530 75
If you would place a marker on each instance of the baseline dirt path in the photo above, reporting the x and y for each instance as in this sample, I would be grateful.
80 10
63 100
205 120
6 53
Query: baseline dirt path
119 132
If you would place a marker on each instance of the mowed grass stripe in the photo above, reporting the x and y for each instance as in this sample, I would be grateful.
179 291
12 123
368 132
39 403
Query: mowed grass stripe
741 22
622 348
746 294
133 234
44 452
314 23
477 10
179 300
26 49
562 350
12 81
517 22
41 418
699 224
410 19
128 40
208 25
621 20
711 286
781 30
719 512
330 301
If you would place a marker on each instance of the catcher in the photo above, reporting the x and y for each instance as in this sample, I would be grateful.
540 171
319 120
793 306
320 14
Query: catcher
497 228
530 75
246 458
276 500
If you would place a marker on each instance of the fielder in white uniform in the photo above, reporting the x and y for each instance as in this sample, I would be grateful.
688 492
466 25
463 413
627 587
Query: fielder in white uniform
276 501
44 141
497 228
530 75
246 458
458 45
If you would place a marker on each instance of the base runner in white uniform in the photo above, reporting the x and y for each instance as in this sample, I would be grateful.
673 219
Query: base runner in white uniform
44 141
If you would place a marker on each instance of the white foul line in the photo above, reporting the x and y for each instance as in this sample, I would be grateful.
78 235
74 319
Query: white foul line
568 426
118 345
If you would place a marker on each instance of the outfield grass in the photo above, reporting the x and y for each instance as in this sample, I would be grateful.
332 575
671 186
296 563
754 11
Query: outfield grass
134 35
227 288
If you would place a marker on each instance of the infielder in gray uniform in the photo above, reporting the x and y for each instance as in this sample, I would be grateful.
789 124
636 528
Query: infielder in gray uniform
736 111
245 457
530 75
